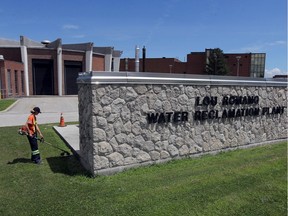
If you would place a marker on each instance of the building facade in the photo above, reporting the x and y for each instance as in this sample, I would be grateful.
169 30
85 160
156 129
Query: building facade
239 64
49 68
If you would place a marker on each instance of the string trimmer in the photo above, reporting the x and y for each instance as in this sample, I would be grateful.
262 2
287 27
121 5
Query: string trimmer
23 131
54 146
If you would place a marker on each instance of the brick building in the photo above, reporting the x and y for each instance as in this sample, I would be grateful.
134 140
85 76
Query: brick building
49 68
239 64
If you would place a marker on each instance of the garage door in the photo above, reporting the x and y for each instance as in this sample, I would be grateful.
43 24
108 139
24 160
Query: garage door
42 77
72 68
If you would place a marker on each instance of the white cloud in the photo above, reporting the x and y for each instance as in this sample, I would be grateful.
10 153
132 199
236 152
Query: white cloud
252 49
275 43
275 71
69 26
260 47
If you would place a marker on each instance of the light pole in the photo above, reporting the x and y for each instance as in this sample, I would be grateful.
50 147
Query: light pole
238 59
170 68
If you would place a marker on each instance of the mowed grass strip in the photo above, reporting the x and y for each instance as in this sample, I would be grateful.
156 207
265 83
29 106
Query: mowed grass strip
243 182
5 103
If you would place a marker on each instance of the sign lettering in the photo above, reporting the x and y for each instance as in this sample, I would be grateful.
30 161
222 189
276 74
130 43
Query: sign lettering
243 106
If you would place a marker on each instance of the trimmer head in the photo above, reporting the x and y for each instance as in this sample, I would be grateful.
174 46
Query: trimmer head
63 153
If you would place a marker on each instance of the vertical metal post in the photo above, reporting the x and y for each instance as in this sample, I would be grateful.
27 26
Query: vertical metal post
143 58
170 68
137 59
238 59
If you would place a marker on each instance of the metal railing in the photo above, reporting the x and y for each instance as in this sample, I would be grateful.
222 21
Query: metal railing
5 94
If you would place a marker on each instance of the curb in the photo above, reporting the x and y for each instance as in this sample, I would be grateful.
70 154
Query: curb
11 106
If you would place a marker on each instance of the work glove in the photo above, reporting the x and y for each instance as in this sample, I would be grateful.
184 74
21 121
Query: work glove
42 139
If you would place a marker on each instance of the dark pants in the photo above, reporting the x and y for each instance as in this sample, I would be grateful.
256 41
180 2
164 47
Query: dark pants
35 154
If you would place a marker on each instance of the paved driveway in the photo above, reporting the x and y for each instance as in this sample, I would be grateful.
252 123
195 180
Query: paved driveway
51 109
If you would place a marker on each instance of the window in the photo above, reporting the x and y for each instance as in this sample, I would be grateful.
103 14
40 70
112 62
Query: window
22 82
9 84
257 64
16 81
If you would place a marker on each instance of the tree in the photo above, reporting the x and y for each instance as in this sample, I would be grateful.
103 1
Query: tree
216 63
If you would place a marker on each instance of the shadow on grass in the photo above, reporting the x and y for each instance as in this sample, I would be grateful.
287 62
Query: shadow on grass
20 160
68 165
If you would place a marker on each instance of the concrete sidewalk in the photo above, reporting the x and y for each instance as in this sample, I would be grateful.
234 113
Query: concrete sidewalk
70 135
51 108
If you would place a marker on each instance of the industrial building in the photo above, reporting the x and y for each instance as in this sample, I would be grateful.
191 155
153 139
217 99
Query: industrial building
29 68
239 64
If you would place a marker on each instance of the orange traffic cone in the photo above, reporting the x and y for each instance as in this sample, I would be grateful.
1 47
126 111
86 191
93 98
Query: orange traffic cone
62 123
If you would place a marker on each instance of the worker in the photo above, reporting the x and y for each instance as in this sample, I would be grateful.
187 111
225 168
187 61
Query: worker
33 130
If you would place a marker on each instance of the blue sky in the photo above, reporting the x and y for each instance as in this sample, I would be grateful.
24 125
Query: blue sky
167 28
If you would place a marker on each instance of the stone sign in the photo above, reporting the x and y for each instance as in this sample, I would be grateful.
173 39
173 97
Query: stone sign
132 119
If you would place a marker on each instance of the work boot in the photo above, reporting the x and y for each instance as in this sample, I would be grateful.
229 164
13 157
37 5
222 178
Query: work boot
38 162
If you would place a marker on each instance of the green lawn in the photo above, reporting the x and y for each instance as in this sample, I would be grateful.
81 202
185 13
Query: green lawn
5 103
243 182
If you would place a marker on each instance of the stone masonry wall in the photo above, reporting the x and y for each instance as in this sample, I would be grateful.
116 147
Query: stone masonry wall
115 133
